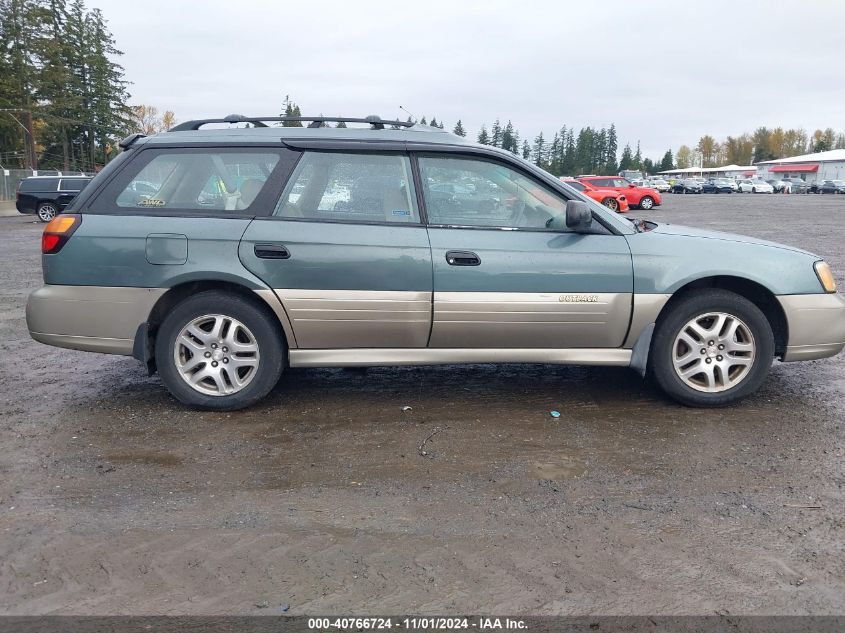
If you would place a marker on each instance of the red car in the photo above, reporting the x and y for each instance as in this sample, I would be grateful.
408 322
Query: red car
640 197
613 200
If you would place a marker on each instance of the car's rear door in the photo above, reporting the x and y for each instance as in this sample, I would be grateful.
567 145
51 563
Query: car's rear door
346 252
504 279
69 188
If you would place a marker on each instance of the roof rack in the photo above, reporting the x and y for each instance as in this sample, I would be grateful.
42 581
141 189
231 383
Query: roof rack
376 122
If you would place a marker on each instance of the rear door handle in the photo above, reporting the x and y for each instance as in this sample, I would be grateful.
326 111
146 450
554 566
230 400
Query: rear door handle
462 258
271 251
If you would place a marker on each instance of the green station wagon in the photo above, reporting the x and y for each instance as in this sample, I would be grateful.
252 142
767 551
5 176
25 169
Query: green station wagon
218 257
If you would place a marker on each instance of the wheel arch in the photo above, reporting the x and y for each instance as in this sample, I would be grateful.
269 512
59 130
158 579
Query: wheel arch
755 292
265 299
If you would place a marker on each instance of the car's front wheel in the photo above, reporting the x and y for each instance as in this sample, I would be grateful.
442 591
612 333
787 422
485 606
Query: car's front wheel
219 351
46 211
712 348
646 203
611 203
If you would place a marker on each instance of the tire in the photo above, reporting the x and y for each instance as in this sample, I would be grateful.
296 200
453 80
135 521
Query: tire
46 211
646 203
611 203
753 343
240 322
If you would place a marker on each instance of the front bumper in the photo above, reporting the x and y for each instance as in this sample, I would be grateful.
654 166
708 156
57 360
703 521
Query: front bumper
816 325
89 318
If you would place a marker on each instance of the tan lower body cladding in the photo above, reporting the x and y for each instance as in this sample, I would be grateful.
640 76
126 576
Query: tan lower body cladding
337 319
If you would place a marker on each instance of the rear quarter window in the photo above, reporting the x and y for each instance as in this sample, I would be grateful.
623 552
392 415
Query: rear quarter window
213 181
39 184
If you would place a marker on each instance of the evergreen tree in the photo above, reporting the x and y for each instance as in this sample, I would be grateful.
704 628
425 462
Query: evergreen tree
496 134
526 149
638 158
108 95
292 110
554 155
433 122
627 160
539 152
667 163
762 144
341 124
459 129
508 139
568 166
584 160
483 136
648 166
516 144
423 121
611 166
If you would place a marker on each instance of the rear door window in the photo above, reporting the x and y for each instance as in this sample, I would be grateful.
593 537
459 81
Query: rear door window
202 180
348 187
72 184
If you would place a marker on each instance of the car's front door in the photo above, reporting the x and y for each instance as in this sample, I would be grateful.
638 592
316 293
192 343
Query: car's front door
503 278
346 252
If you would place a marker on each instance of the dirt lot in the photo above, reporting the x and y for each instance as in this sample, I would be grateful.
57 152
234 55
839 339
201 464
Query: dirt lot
116 500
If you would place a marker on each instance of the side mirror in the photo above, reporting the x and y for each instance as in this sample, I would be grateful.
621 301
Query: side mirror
578 215
631 185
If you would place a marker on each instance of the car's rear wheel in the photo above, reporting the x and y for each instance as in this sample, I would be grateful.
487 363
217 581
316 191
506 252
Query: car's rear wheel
219 351
611 203
712 348
46 211
646 203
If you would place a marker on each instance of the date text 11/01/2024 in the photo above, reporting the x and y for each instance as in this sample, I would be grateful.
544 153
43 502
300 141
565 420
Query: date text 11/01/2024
436 623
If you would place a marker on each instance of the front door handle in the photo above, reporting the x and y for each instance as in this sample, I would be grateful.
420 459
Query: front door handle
271 251
462 258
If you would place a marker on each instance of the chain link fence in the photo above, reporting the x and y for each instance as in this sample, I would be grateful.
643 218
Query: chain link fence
9 179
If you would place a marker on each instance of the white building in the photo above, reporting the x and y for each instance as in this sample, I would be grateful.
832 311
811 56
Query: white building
728 171
811 167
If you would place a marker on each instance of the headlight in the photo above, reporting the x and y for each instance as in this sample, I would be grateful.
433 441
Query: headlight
825 276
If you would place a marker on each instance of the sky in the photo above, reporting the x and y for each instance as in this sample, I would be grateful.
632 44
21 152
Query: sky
665 73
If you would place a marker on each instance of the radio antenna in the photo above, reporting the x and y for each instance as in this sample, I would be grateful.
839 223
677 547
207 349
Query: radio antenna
411 115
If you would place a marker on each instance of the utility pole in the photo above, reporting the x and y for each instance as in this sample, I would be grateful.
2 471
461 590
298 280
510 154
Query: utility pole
30 147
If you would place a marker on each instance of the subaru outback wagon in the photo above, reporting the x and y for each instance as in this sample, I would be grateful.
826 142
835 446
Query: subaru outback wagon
219 257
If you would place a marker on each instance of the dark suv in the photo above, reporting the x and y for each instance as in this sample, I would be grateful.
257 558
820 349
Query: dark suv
47 196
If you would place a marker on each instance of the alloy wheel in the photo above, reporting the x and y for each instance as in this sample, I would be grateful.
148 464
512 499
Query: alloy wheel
46 212
713 352
216 355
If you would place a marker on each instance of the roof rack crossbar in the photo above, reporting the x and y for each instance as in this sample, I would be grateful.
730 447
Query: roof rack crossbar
376 122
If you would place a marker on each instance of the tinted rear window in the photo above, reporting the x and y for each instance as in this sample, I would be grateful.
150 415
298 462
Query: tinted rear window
73 184
39 184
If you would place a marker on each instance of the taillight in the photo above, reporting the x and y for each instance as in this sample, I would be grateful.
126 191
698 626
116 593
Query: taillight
58 232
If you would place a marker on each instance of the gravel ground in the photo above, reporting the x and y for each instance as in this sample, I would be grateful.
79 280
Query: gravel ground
116 500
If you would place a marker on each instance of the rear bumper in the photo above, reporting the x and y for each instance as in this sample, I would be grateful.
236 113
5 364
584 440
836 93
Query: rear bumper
816 325
89 318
